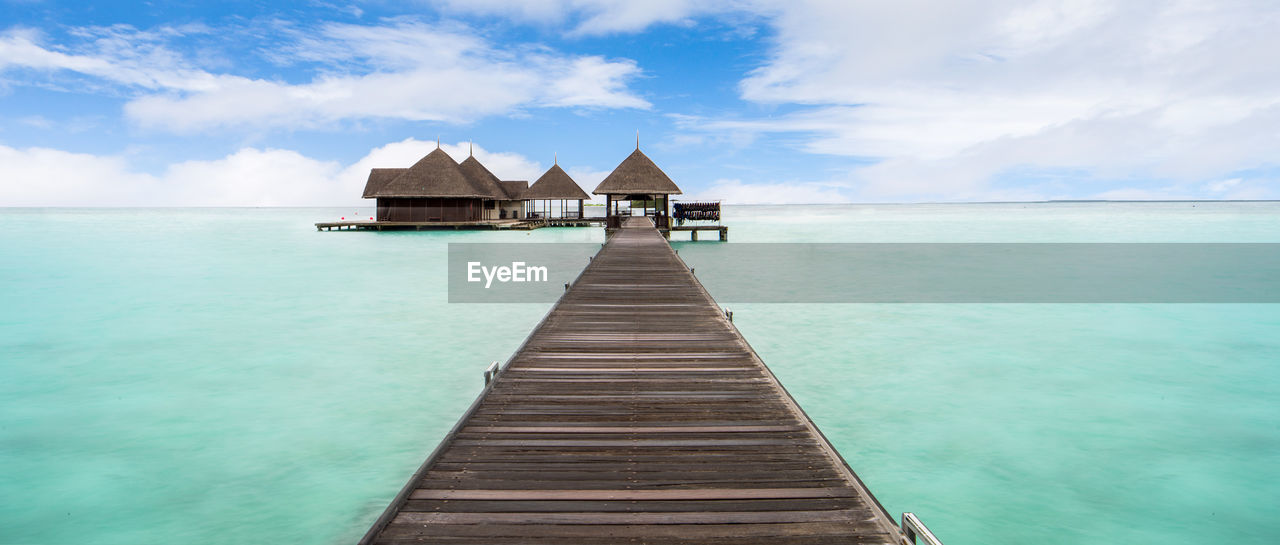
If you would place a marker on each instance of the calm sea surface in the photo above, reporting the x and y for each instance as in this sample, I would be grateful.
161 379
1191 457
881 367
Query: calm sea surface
233 375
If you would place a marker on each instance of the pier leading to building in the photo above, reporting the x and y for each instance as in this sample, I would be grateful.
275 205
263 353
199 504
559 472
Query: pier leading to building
635 413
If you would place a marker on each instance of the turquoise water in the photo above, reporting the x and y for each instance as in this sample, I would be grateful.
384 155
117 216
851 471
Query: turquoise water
232 375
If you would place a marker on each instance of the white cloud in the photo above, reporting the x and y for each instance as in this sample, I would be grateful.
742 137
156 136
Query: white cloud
397 70
1223 186
36 121
947 101
588 178
732 191
950 97
504 165
252 177
248 177
1141 194
596 17
590 81
49 177
1231 189
116 54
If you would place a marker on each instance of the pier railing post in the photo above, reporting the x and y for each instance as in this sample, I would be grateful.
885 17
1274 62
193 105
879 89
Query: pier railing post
490 373
913 528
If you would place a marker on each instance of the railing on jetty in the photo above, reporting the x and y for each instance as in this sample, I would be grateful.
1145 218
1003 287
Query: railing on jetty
635 412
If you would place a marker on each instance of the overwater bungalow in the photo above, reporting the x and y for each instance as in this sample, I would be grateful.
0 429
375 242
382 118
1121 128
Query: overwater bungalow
433 189
555 186
641 186
438 189
438 192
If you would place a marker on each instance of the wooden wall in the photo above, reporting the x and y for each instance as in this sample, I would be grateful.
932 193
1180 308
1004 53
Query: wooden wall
429 209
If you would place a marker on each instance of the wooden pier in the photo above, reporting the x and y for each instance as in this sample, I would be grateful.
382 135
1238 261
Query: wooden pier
574 221
635 413
370 225
514 224
693 230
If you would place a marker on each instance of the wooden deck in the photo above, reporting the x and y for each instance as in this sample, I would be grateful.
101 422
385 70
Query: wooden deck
574 222
370 225
635 413
721 230
517 224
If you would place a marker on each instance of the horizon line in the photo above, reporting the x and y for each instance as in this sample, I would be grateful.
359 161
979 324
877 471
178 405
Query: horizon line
1049 201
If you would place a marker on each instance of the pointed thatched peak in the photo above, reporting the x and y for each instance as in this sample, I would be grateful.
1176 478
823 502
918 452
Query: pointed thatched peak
637 175
436 175
482 179
555 184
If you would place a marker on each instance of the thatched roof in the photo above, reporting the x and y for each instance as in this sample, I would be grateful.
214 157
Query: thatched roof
482 179
436 175
378 178
515 189
637 175
555 184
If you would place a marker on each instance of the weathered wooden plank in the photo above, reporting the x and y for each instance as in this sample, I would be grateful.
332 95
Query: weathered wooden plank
853 532
682 423
631 429
635 495
534 506
717 457
727 474
836 539
634 484
710 517
633 370
619 465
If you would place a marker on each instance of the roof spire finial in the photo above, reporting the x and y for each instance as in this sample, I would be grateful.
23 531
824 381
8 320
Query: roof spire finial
471 148
637 139
437 141
555 158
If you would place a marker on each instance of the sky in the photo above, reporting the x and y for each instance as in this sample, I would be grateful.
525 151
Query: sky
253 103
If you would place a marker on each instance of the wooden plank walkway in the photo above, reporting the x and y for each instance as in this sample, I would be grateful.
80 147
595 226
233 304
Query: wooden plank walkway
635 413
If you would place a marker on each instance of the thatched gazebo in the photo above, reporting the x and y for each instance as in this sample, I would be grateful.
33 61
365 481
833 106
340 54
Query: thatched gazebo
433 189
637 180
556 185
